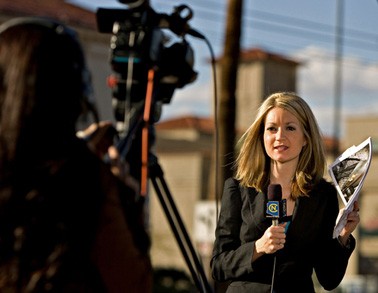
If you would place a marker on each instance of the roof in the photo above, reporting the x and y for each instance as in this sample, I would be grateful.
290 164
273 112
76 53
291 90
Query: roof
257 54
57 9
204 125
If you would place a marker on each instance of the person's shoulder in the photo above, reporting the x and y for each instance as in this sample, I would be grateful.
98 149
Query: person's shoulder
231 185
324 187
231 181
323 183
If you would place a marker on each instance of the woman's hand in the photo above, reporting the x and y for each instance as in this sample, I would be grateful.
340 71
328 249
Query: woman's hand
273 239
121 169
99 136
100 139
353 220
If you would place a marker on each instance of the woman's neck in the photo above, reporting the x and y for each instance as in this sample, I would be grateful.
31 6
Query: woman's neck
282 174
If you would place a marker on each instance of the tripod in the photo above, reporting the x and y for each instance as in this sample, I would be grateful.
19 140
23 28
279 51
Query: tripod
177 226
138 154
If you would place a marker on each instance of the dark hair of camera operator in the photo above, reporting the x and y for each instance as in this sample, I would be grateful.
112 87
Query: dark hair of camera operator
282 146
67 223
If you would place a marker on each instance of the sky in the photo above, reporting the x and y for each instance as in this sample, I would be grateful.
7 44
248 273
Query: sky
301 30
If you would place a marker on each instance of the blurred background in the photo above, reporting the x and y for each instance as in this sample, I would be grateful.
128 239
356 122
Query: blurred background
326 51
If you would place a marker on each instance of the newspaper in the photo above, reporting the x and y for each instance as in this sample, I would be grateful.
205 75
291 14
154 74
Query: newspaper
348 173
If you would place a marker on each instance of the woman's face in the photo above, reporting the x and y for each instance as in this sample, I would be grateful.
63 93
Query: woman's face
283 136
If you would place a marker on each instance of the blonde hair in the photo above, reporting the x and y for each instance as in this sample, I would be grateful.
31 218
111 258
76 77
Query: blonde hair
253 164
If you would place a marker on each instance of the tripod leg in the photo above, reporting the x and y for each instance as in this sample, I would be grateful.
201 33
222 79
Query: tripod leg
178 229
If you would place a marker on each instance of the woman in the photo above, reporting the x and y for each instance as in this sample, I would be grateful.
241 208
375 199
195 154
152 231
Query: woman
67 224
282 146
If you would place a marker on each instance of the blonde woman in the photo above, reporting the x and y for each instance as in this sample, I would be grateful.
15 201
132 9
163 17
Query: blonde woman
283 146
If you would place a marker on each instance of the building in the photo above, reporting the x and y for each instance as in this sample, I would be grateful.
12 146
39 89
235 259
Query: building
261 73
359 128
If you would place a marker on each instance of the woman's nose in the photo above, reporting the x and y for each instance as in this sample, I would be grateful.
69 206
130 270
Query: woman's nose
280 133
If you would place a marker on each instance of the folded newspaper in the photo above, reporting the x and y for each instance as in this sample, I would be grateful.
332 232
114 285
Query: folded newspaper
348 173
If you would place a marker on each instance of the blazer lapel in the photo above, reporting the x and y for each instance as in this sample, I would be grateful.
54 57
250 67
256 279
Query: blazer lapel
257 203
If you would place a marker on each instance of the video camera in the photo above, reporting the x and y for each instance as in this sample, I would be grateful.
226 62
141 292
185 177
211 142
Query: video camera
138 44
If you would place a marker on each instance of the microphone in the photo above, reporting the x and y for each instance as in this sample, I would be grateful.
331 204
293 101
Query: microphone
273 207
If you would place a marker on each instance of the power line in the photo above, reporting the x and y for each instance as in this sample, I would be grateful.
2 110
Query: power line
301 30
313 30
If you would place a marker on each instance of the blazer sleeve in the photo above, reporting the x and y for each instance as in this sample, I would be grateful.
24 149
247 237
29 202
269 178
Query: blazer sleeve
231 258
333 257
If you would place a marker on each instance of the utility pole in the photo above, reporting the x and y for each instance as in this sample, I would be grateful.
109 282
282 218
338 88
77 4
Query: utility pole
338 77
228 82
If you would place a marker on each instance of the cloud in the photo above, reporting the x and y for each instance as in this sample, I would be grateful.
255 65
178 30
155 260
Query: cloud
316 83
194 99
315 75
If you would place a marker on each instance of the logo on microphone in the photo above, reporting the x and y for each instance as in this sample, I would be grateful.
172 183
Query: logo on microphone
273 209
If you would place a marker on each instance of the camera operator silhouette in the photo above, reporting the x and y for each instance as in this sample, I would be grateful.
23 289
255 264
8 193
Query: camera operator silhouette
67 222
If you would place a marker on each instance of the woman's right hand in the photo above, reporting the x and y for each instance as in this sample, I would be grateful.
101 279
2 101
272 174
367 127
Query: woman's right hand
100 139
273 239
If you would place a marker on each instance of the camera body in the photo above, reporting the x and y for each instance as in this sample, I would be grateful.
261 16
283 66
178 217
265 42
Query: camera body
138 44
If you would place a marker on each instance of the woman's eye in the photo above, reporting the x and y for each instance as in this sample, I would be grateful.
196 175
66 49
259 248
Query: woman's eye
291 128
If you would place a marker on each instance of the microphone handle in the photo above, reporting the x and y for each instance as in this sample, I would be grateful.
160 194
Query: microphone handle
275 222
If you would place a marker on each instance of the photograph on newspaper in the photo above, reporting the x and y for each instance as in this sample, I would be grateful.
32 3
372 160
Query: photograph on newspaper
348 173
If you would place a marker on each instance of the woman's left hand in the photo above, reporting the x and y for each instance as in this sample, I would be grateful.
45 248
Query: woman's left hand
353 219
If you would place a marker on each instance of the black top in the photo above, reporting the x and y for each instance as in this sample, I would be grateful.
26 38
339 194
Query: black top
57 211
309 244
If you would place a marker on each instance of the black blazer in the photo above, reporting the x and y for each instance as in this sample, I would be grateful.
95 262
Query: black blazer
309 244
